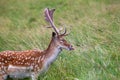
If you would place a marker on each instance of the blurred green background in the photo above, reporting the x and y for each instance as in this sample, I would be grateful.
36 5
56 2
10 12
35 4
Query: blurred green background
94 27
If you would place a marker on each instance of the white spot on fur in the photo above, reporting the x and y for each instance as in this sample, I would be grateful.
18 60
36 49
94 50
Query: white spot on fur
43 57
39 59
32 58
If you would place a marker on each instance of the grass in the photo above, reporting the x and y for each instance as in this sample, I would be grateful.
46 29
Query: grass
95 33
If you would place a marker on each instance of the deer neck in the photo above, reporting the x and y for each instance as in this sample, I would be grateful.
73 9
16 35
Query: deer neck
52 52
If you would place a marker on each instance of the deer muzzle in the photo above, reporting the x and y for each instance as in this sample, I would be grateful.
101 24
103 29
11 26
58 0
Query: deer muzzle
71 47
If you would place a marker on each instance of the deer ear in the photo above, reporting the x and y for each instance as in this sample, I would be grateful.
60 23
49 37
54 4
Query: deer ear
53 34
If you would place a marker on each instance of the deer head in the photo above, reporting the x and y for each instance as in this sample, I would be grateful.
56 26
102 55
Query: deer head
57 37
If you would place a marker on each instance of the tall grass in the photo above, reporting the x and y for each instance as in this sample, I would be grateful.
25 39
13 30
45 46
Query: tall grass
94 27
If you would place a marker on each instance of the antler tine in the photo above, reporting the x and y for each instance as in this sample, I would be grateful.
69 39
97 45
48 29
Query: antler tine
64 33
49 18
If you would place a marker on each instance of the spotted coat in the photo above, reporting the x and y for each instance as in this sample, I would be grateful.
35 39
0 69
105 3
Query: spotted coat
29 58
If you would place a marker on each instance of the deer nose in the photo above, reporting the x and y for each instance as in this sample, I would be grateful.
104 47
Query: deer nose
71 47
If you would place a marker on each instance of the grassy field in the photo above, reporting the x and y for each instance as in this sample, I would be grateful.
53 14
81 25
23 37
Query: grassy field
94 27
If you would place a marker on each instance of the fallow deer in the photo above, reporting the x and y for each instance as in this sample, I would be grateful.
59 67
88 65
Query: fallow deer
30 63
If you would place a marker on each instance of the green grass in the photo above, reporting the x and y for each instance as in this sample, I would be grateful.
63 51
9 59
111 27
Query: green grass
95 33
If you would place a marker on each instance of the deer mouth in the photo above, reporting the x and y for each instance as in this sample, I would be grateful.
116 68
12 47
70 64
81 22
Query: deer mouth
71 48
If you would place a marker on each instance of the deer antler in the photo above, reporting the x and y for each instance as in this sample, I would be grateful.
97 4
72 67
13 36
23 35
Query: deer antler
49 18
